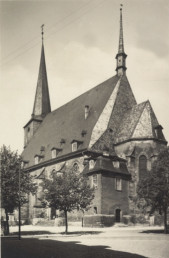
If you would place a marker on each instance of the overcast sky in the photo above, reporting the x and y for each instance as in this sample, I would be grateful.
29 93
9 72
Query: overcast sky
81 42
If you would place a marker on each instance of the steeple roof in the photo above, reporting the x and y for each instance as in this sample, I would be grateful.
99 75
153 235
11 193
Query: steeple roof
121 56
121 41
42 100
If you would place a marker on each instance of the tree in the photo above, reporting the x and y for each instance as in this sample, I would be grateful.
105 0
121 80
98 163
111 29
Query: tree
153 190
10 169
67 192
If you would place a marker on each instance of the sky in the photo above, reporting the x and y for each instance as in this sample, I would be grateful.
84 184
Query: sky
81 42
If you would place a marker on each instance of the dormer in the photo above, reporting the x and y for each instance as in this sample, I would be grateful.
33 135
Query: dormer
106 151
91 164
24 164
38 158
55 152
75 144
116 164
158 132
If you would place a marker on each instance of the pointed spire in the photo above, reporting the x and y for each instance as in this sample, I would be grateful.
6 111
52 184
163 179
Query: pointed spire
121 43
121 56
42 100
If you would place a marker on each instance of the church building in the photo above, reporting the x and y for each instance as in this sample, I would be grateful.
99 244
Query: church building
104 133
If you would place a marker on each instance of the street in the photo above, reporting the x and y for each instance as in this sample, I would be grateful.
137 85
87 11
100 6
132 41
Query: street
123 242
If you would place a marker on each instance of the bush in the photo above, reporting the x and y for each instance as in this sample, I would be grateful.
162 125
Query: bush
133 219
158 220
140 219
126 219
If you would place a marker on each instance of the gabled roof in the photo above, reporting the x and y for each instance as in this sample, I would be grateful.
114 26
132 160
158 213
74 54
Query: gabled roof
138 122
112 106
68 122
129 122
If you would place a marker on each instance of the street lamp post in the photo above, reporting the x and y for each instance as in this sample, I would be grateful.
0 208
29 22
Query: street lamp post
19 233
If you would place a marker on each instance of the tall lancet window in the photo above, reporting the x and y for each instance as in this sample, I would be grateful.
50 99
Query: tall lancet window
142 166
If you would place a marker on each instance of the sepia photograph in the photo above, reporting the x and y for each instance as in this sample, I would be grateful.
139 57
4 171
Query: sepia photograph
84 155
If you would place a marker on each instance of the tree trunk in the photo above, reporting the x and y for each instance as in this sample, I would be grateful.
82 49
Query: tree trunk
6 228
165 221
66 224
82 219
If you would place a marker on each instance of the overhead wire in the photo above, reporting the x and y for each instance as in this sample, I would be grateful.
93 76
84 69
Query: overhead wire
37 37
49 35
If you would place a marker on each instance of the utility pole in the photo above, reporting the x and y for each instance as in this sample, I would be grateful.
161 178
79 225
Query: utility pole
19 233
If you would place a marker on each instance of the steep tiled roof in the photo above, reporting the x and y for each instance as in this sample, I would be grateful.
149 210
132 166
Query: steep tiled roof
105 164
129 122
138 122
68 122
113 100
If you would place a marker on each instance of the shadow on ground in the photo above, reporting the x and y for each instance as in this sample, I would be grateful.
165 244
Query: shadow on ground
27 233
156 231
45 232
34 248
82 233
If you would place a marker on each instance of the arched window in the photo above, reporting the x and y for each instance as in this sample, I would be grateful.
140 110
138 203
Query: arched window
142 166
91 164
75 167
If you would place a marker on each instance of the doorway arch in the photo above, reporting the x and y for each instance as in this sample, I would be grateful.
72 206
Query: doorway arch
118 215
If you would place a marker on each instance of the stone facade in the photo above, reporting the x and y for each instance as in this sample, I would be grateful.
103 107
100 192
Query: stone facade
106 201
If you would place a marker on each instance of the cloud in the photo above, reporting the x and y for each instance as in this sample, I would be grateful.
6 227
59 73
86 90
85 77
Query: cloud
152 30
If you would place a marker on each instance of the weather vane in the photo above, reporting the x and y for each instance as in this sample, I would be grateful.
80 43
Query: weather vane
42 30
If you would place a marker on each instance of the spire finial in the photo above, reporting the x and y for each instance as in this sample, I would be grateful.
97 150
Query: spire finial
42 32
121 44
121 56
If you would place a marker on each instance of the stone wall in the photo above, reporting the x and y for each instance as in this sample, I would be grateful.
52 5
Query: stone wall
132 151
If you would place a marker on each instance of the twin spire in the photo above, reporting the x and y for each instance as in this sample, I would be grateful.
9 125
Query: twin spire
121 56
42 100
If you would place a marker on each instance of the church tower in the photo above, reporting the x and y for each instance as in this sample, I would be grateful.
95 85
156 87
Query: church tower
42 100
121 56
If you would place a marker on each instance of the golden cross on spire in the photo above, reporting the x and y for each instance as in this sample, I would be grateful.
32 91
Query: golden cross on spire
42 32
